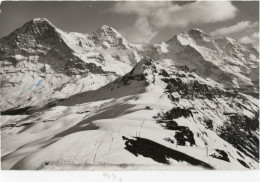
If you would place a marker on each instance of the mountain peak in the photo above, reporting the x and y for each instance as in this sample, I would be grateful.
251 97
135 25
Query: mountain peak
39 26
186 37
140 66
108 35
33 28
105 29
39 22
35 20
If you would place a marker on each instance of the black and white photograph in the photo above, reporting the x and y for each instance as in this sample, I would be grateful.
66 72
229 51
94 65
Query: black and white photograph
129 85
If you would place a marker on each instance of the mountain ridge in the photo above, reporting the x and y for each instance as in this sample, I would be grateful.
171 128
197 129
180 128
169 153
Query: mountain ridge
91 99
105 52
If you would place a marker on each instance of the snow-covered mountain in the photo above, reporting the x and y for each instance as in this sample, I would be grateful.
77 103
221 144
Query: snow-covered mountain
77 101
222 59
41 63
157 114
39 60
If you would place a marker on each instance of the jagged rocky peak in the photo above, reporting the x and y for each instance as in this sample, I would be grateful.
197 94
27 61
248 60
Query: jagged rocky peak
107 30
142 66
191 36
108 36
38 26
144 71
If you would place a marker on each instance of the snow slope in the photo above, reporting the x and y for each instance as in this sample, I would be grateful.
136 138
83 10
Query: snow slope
155 115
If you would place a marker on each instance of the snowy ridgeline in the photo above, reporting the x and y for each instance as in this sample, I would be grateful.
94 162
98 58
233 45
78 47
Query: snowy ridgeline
85 101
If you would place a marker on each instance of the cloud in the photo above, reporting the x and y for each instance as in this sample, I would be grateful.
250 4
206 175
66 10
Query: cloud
240 26
166 14
141 32
245 40
253 39
255 35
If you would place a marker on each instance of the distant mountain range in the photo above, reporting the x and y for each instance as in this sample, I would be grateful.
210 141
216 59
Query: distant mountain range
74 99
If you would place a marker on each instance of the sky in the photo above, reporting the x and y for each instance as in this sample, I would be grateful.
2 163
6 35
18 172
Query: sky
140 22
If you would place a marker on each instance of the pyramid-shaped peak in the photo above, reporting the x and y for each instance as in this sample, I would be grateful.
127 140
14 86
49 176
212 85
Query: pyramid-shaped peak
109 35
41 21
34 28
140 66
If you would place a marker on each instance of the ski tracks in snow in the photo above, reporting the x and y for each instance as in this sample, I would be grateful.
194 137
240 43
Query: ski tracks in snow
99 144
105 140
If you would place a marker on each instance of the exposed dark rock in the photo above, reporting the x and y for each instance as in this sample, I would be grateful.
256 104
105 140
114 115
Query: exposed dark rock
164 73
184 68
171 125
20 111
15 125
173 99
181 75
208 124
243 163
237 131
222 155
184 135
240 155
82 112
195 89
252 124
148 108
168 140
177 112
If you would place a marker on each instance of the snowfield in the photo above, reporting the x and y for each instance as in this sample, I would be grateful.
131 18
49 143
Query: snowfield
116 125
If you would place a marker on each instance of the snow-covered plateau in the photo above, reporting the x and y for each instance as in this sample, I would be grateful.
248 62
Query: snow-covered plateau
96 101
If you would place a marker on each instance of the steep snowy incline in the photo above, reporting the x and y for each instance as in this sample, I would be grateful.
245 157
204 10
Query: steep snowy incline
41 63
155 115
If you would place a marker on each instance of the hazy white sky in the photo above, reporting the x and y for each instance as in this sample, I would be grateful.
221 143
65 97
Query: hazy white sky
141 21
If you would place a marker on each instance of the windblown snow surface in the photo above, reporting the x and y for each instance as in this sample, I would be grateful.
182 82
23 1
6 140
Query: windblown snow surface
112 107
